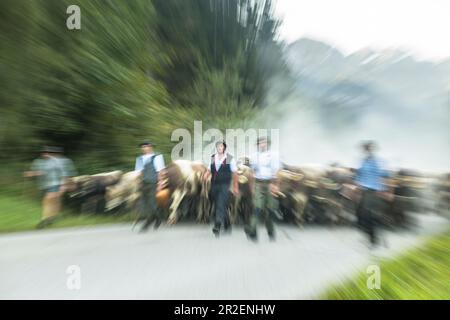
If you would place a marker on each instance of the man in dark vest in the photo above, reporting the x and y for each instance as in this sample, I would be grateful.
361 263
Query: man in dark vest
151 165
223 170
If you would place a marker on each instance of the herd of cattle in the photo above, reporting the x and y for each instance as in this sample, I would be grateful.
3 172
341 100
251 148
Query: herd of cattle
307 194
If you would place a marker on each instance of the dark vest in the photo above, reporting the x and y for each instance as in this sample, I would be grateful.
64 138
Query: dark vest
223 175
150 175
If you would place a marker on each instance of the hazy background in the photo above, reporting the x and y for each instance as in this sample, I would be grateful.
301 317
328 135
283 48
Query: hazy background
326 73
364 70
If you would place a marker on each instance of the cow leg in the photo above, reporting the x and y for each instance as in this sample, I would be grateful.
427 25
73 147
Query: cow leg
177 196
234 209
202 209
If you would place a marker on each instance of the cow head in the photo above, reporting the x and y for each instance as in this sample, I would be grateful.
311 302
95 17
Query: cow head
77 185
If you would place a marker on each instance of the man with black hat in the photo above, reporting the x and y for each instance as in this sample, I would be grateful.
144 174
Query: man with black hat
265 164
50 173
223 170
370 179
151 165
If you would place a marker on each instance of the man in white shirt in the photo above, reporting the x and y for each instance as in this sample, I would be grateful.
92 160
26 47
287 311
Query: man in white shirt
265 164
223 170
151 165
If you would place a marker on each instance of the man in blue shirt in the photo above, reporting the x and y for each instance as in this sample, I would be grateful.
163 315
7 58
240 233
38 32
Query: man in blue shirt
370 178
50 173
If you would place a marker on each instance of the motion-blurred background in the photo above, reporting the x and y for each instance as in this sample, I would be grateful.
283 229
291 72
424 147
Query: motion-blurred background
140 69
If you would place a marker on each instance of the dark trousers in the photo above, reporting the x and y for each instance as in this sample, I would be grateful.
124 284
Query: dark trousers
149 209
220 194
367 214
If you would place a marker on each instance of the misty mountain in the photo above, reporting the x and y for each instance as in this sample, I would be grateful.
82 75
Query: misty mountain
391 82
337 100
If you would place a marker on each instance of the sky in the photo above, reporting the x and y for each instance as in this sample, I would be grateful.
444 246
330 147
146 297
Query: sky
421 27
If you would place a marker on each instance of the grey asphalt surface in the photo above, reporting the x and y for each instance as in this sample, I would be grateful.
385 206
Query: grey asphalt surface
186 262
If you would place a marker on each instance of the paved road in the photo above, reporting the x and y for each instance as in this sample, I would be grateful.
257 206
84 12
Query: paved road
186 262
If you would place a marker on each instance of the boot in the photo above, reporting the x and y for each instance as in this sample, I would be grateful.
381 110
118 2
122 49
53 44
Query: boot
216 229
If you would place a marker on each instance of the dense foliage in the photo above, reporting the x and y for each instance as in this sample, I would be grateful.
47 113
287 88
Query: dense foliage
136 69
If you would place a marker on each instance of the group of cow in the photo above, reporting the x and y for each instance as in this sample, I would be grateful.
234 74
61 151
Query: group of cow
307 194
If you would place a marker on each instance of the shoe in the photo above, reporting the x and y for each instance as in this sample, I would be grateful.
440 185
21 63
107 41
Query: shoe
41 225
44 223
216 229
271 237
157 224
252 237
145 226
373 245
227 229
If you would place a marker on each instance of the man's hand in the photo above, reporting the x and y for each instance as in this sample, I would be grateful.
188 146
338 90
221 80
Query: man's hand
236 190
29 174
274 189
235 182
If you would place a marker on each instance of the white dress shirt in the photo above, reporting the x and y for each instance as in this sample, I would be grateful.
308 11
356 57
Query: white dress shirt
218 162
158 162
266 164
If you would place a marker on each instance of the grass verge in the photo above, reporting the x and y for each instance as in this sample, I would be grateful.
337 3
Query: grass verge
421 273
23 213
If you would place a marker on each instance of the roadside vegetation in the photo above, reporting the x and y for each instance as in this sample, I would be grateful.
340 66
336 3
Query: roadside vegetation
420 273
23 214
136 70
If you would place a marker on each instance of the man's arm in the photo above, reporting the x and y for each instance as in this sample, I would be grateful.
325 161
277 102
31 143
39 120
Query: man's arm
233 168
34 171
274 184
159 166
70 170
357 177
138 165
159 163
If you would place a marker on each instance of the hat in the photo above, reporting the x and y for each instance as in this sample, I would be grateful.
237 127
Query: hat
145 143
57 150
263 138
45 149
368 145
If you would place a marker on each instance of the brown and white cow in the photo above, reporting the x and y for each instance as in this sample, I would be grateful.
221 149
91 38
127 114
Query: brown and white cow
241 205
186 180
309 195
90 189
126 192
292 195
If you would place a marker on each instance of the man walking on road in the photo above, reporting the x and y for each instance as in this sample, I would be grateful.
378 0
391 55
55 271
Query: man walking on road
223 170
151 165
370 178
50 173
265 164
